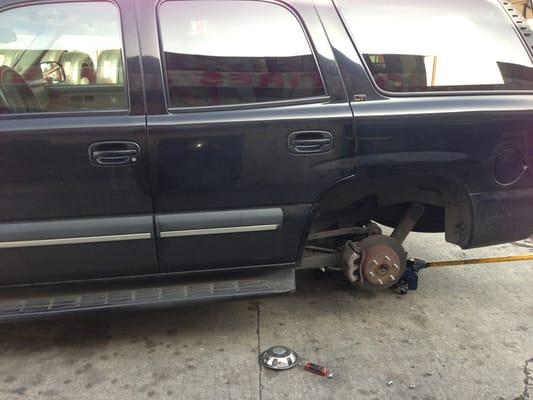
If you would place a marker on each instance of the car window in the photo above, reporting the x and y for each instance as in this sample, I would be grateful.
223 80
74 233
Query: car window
234 52
421 45
59 57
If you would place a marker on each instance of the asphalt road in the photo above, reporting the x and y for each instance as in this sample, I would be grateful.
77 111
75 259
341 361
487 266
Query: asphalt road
472 327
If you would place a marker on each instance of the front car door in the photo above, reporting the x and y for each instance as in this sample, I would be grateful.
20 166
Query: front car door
75 198
248 123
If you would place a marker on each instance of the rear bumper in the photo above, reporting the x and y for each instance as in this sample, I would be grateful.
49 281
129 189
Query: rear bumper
501 217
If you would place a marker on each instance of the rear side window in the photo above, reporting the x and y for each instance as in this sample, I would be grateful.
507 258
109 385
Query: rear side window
235 52
426 46
60 57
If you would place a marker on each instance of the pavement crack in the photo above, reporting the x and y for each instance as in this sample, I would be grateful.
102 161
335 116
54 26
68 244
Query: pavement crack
528 380
259 348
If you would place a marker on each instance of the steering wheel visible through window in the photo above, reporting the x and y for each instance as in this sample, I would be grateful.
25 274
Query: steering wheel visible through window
15 93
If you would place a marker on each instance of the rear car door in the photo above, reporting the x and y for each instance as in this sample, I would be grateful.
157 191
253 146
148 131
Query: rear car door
75 199
248 123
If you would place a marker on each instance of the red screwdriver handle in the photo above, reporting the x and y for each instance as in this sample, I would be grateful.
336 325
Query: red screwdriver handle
316 369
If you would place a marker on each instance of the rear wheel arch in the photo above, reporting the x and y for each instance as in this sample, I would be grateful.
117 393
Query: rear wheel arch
356 201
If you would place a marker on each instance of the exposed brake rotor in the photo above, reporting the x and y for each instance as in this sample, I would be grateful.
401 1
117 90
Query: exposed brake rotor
377 262
383 262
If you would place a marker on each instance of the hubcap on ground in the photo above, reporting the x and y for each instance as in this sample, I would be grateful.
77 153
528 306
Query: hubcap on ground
279 358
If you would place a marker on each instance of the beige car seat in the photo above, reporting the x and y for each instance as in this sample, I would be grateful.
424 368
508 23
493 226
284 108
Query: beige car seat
110 68
79 68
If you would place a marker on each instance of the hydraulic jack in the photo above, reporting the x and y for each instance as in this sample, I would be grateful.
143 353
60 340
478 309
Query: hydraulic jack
409 280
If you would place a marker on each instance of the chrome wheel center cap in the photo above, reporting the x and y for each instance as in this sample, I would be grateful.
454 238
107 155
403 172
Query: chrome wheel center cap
279 358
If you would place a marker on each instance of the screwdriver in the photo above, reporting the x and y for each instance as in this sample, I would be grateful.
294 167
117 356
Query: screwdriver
317 369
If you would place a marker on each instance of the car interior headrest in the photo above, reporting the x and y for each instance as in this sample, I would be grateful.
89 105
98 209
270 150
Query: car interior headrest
110 68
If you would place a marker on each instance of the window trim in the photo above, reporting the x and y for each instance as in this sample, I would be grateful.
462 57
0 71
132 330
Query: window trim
74 113
66 114
390 94
240 106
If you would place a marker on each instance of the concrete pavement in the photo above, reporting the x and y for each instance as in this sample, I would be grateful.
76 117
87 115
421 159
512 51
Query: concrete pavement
472 327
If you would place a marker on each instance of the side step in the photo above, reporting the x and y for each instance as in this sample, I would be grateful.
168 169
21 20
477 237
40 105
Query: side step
48 302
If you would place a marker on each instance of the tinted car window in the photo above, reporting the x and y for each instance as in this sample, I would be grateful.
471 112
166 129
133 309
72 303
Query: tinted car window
61 57
421 45
231 52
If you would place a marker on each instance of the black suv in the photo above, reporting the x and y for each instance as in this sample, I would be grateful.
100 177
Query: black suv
159 152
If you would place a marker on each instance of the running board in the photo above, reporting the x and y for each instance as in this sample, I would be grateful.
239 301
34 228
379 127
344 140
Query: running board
234 286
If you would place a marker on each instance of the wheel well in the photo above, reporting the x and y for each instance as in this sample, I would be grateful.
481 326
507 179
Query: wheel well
356 202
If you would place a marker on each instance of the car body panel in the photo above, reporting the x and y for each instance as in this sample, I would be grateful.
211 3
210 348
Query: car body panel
459 136
237 158
219 188
47 179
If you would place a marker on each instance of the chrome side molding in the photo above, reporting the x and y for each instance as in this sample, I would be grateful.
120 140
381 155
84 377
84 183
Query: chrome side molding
218 222
74 240
218 231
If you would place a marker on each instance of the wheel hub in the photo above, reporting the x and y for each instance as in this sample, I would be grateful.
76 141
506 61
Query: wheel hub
383 262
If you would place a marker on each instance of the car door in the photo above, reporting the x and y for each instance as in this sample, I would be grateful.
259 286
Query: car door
75 199
248 123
